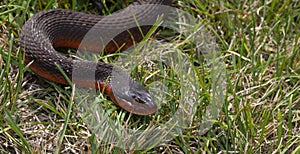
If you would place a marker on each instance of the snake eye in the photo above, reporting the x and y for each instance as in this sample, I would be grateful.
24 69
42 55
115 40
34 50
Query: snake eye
136 99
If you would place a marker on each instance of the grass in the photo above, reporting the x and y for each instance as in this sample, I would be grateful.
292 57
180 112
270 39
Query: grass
259 43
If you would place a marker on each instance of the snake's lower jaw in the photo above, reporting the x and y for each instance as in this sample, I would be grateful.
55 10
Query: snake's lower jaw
138 108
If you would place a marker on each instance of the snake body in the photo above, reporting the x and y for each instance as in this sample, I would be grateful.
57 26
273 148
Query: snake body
50 29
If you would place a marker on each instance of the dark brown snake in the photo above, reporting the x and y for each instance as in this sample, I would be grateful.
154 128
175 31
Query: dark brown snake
51 29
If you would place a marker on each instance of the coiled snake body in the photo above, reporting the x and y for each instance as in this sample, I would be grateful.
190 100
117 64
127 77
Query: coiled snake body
50 29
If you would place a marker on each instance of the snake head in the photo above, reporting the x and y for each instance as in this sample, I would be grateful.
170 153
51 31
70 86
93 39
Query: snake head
130 95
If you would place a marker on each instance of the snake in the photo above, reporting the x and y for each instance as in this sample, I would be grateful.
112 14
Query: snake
48 30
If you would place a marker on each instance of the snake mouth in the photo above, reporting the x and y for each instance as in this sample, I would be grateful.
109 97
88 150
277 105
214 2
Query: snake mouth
137 102
135 99
135 106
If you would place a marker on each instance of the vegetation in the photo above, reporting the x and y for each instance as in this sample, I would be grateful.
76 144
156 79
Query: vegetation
259 44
